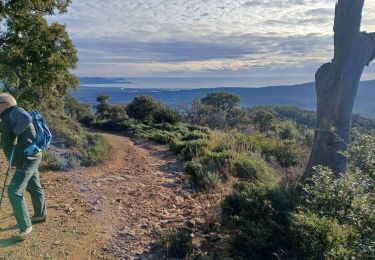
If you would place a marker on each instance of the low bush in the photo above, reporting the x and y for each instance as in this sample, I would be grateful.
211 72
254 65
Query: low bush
287 152
252 169
219 162
200 177
194 148
194 135
176 145
258 217
75 146
176 243
163 137
287 130
74 160
361 153
164 114
77 111
97 149
349 200
53 161
199 128
66 132
318 237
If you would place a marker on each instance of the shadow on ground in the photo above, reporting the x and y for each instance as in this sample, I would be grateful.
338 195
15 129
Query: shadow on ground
8 242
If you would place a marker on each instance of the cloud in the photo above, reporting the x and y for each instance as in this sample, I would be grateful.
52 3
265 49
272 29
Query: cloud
253 3
216 53
141 37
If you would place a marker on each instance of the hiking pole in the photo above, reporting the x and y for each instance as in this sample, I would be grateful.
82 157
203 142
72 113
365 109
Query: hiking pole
9 168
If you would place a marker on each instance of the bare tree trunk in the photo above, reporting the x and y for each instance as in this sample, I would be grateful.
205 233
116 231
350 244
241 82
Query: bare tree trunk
336 86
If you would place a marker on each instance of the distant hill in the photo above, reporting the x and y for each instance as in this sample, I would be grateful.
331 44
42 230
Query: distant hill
302 95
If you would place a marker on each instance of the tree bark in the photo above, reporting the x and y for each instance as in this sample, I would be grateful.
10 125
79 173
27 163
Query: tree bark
336 86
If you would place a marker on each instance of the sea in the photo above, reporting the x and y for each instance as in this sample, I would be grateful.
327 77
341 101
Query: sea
172 91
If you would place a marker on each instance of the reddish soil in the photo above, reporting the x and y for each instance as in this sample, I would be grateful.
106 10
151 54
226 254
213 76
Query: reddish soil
113 211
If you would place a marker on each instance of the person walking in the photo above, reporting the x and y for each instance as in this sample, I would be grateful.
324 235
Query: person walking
17 123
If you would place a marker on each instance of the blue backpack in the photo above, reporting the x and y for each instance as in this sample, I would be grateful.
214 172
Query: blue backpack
43 135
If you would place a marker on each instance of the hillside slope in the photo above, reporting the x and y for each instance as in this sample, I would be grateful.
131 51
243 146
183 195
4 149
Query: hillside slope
301 96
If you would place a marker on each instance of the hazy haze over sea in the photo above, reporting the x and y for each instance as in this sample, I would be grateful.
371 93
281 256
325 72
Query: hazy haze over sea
182 91
181 83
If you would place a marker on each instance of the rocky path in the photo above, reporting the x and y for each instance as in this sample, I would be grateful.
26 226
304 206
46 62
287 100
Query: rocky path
112 211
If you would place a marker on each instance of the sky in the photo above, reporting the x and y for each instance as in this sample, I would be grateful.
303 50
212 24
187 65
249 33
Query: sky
270 41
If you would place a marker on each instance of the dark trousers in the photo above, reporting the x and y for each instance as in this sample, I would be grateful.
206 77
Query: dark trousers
26 178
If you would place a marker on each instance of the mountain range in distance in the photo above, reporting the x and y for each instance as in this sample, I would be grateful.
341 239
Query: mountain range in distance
301 95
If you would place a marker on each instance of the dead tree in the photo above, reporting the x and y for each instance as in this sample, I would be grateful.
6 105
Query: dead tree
336 86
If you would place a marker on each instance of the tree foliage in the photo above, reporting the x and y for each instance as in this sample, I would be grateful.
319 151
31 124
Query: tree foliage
77 111
102 108
217 110
36 57
222 100
109 112
264 119
142 107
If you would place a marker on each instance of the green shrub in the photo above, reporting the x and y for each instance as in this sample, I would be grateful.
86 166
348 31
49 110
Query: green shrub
223 146
194 135
53 161
200 177
176 243
116 113
349 200
263 118
320 237
142 108
361 153
287 130
97 150
199 128
165 126
222 100
194 148
308 137
164 114
66 132
102 107
110 113
112 126
254 202
178 127
210 180
77 111
74 160
78 147
287 153
163 137
176 145
258 217
252 169
219 162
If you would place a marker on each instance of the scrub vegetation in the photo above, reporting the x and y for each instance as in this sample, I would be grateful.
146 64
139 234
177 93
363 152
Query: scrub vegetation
263 151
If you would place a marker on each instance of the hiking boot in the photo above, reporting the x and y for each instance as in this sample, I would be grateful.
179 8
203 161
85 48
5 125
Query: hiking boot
36 220
24 233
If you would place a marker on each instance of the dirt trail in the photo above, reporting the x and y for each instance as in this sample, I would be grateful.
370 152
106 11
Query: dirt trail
111 211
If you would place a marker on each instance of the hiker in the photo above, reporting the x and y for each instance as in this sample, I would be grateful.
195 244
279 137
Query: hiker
17 122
